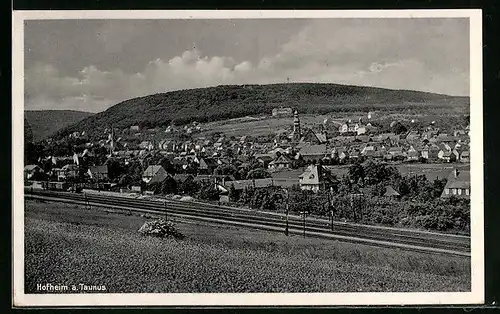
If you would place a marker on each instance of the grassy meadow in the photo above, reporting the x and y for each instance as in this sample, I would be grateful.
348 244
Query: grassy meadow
67 244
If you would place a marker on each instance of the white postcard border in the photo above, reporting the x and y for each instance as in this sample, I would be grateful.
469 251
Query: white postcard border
475 296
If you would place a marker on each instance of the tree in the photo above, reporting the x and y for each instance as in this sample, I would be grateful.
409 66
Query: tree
398 128
167 165
189 186
208 192
233 195
225 170
115 168
356 172
125 180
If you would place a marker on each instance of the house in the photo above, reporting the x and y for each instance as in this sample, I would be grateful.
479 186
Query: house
99 173
446 156
391 193
465 156
282 162
31 171
395 151
282 111
134 128
313 152
354 153
322 138
459 132
69 171
340 152
182 177
206 165
457 152
315 178
363 138
264 159
458 184
412 155
154 174
367 150
412 136
430 153
384 137
167 145
221 179
204 178
370 128
309 137
146 145
361 130
445 138
348 127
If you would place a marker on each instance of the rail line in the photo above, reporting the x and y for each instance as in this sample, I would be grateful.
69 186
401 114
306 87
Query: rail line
372 235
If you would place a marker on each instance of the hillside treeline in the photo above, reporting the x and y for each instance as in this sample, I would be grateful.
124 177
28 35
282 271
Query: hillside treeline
226 102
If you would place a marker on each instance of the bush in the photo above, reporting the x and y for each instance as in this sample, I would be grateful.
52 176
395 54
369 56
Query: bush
161 228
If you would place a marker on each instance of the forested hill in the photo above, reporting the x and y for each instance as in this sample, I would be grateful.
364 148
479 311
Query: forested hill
44 123
229 101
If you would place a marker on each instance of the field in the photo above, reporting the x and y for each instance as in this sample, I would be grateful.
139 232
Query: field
256 126
66 244
264 125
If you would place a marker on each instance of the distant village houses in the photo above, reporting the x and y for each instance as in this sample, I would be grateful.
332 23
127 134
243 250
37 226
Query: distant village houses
282 111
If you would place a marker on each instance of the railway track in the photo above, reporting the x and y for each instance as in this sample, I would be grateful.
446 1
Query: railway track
372 235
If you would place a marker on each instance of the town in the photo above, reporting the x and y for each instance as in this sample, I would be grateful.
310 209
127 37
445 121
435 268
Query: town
231 156
321 162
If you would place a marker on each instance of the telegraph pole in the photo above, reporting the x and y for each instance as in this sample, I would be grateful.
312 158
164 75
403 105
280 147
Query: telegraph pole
286 211
330 206
304 223
87 203
165 207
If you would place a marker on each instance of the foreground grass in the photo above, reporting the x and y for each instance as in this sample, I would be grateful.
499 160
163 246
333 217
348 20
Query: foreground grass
66 244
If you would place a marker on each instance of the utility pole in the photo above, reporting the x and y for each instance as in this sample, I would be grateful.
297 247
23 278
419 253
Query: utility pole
304 223
286 211
87 203
165 207
330 207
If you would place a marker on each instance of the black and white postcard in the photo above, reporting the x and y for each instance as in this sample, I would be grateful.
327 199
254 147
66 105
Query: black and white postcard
247 158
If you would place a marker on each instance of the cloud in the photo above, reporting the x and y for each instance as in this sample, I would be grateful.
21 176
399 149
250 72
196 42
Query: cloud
425 55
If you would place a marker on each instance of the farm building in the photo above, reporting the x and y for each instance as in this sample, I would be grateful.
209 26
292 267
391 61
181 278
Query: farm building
458 184
99 173
154 174
31 171
315 178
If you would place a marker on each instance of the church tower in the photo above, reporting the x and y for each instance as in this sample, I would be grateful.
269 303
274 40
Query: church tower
296 127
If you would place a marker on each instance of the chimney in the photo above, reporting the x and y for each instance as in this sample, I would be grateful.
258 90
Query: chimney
456 172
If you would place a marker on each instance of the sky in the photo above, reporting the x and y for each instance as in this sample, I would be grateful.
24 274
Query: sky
91 65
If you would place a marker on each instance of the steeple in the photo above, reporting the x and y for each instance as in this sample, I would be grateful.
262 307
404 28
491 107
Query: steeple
296 126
